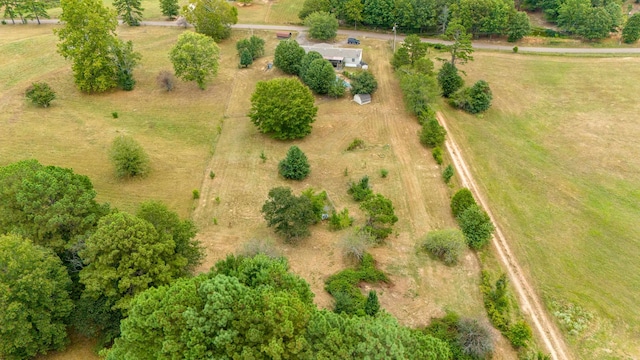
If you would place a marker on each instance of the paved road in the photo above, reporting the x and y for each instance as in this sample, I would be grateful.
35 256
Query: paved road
366 34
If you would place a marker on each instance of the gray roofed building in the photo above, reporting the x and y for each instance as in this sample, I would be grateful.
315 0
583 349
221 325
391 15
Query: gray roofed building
339 57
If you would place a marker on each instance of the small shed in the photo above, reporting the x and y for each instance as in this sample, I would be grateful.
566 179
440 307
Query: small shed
362 99
283 35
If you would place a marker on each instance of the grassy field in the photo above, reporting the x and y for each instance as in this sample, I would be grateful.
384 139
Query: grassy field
189 133
557 156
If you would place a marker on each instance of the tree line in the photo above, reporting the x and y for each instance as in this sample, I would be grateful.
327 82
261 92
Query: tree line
479 17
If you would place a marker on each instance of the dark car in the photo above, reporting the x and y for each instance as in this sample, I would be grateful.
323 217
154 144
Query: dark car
353 41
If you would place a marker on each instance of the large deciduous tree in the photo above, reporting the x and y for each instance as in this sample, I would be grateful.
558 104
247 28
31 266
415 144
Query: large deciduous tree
211 17
130 10
283 108
306 61
519 26
311 6
245 307
182 232
415 48
322 25
100 60
289 215
195 58
126 256
332 336
34 298
288 56
419 91
631 30
50 205
320 76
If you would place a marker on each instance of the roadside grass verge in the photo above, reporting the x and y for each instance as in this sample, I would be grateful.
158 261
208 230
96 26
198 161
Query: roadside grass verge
557 157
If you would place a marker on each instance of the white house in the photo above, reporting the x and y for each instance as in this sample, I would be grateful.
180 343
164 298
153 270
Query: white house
339 57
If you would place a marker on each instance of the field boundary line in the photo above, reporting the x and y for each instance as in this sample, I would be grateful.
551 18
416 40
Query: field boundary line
529 301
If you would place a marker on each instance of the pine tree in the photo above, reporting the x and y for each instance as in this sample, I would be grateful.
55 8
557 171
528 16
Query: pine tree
372 306
130 10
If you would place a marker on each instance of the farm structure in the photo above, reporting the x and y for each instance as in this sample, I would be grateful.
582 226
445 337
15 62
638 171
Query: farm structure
339 57
362 99
283 35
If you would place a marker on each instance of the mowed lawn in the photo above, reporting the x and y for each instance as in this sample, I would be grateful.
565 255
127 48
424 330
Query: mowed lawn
558 158
177 129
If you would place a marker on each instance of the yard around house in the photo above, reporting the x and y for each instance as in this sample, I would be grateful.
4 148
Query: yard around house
557 159
190 132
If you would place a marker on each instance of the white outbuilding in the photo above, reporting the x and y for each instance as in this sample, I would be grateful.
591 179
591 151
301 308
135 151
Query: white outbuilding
362 99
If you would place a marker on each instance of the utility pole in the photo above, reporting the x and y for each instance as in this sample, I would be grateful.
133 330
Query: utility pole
394 37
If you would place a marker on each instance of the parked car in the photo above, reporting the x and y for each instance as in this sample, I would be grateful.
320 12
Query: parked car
353 41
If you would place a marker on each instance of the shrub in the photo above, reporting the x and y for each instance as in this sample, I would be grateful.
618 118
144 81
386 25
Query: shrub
360 190
255 247
476 227
437 154
318 202
363 83
461 200
475 99
40 94
446 245
337 88
343 286
166 80
515 49
449 79
384 173
212 175
129 157
196 194
356 144
341 220
448 173
355 245
380 216
496 301
432 134
114 114
475 339
295 166
519 334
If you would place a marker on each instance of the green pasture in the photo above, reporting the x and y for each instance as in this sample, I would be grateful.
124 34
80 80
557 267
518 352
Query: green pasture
558 158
